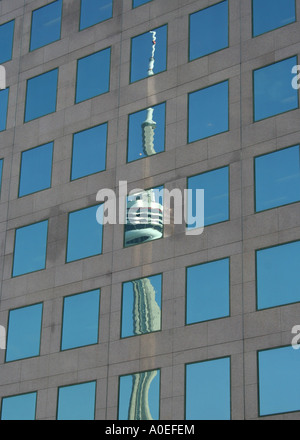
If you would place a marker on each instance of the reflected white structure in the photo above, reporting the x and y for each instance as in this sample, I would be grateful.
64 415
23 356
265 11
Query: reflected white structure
139 401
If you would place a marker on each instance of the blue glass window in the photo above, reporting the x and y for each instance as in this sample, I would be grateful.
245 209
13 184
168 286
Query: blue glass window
209 30
46 25
277 178
208 112
30 248
21 407
41 95
95 11
93 75
36 169
208 390
139 396
6 41
141 306
137 3
216 196
3 108
80 320
1 170
279 389
84 234
89 152
273 93
272 14
208 291
77 402
141 52
278 276
146 132
24 332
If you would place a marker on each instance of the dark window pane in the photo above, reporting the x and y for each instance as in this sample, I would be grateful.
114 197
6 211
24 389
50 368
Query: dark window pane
277 178
18 408
139 396
209 30
46 24
89 151
95 11
77 402
141 306
36 169
272 14
273 92
6 41
41 95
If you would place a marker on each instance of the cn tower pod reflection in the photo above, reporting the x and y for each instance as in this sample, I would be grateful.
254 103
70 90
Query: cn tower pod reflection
144 217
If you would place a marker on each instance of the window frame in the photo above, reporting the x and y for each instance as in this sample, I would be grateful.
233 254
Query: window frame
12 42
7 90
75 385
271 30
31 27
80 29
20 395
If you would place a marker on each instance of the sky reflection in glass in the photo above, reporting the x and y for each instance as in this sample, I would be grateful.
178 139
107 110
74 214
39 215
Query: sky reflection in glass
6 41
95 11
24 332
46 25
1 170
19 408
77 402
279 387
41 95
273 91
277 178
3 108
208 390
209 30
278 275
141 306
272 14
139 396
137 3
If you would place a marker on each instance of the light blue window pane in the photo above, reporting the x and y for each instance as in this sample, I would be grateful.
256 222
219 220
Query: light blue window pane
1 170
277 178
208 112
46 25
278 276
216 196
273 92
207 291
209 30
95 11
81 320
93 75
146 132
6 41
84 234
279 387
272 14
20 407
3 108
208 390
36 169
89 152
141 306
137 3
41 95
24 332
77 402
139 396
141 52
30 248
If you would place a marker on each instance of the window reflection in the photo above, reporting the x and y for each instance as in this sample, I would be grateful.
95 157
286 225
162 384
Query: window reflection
278 276
146 132
77 402
95 11
46 24
24 332
41 95
208 291
144 217
141 306
272 14
21 407
6 41
209 30
3 108
136 3
277 178
139 396
208 112
273 93
149 54
279 389
208 390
